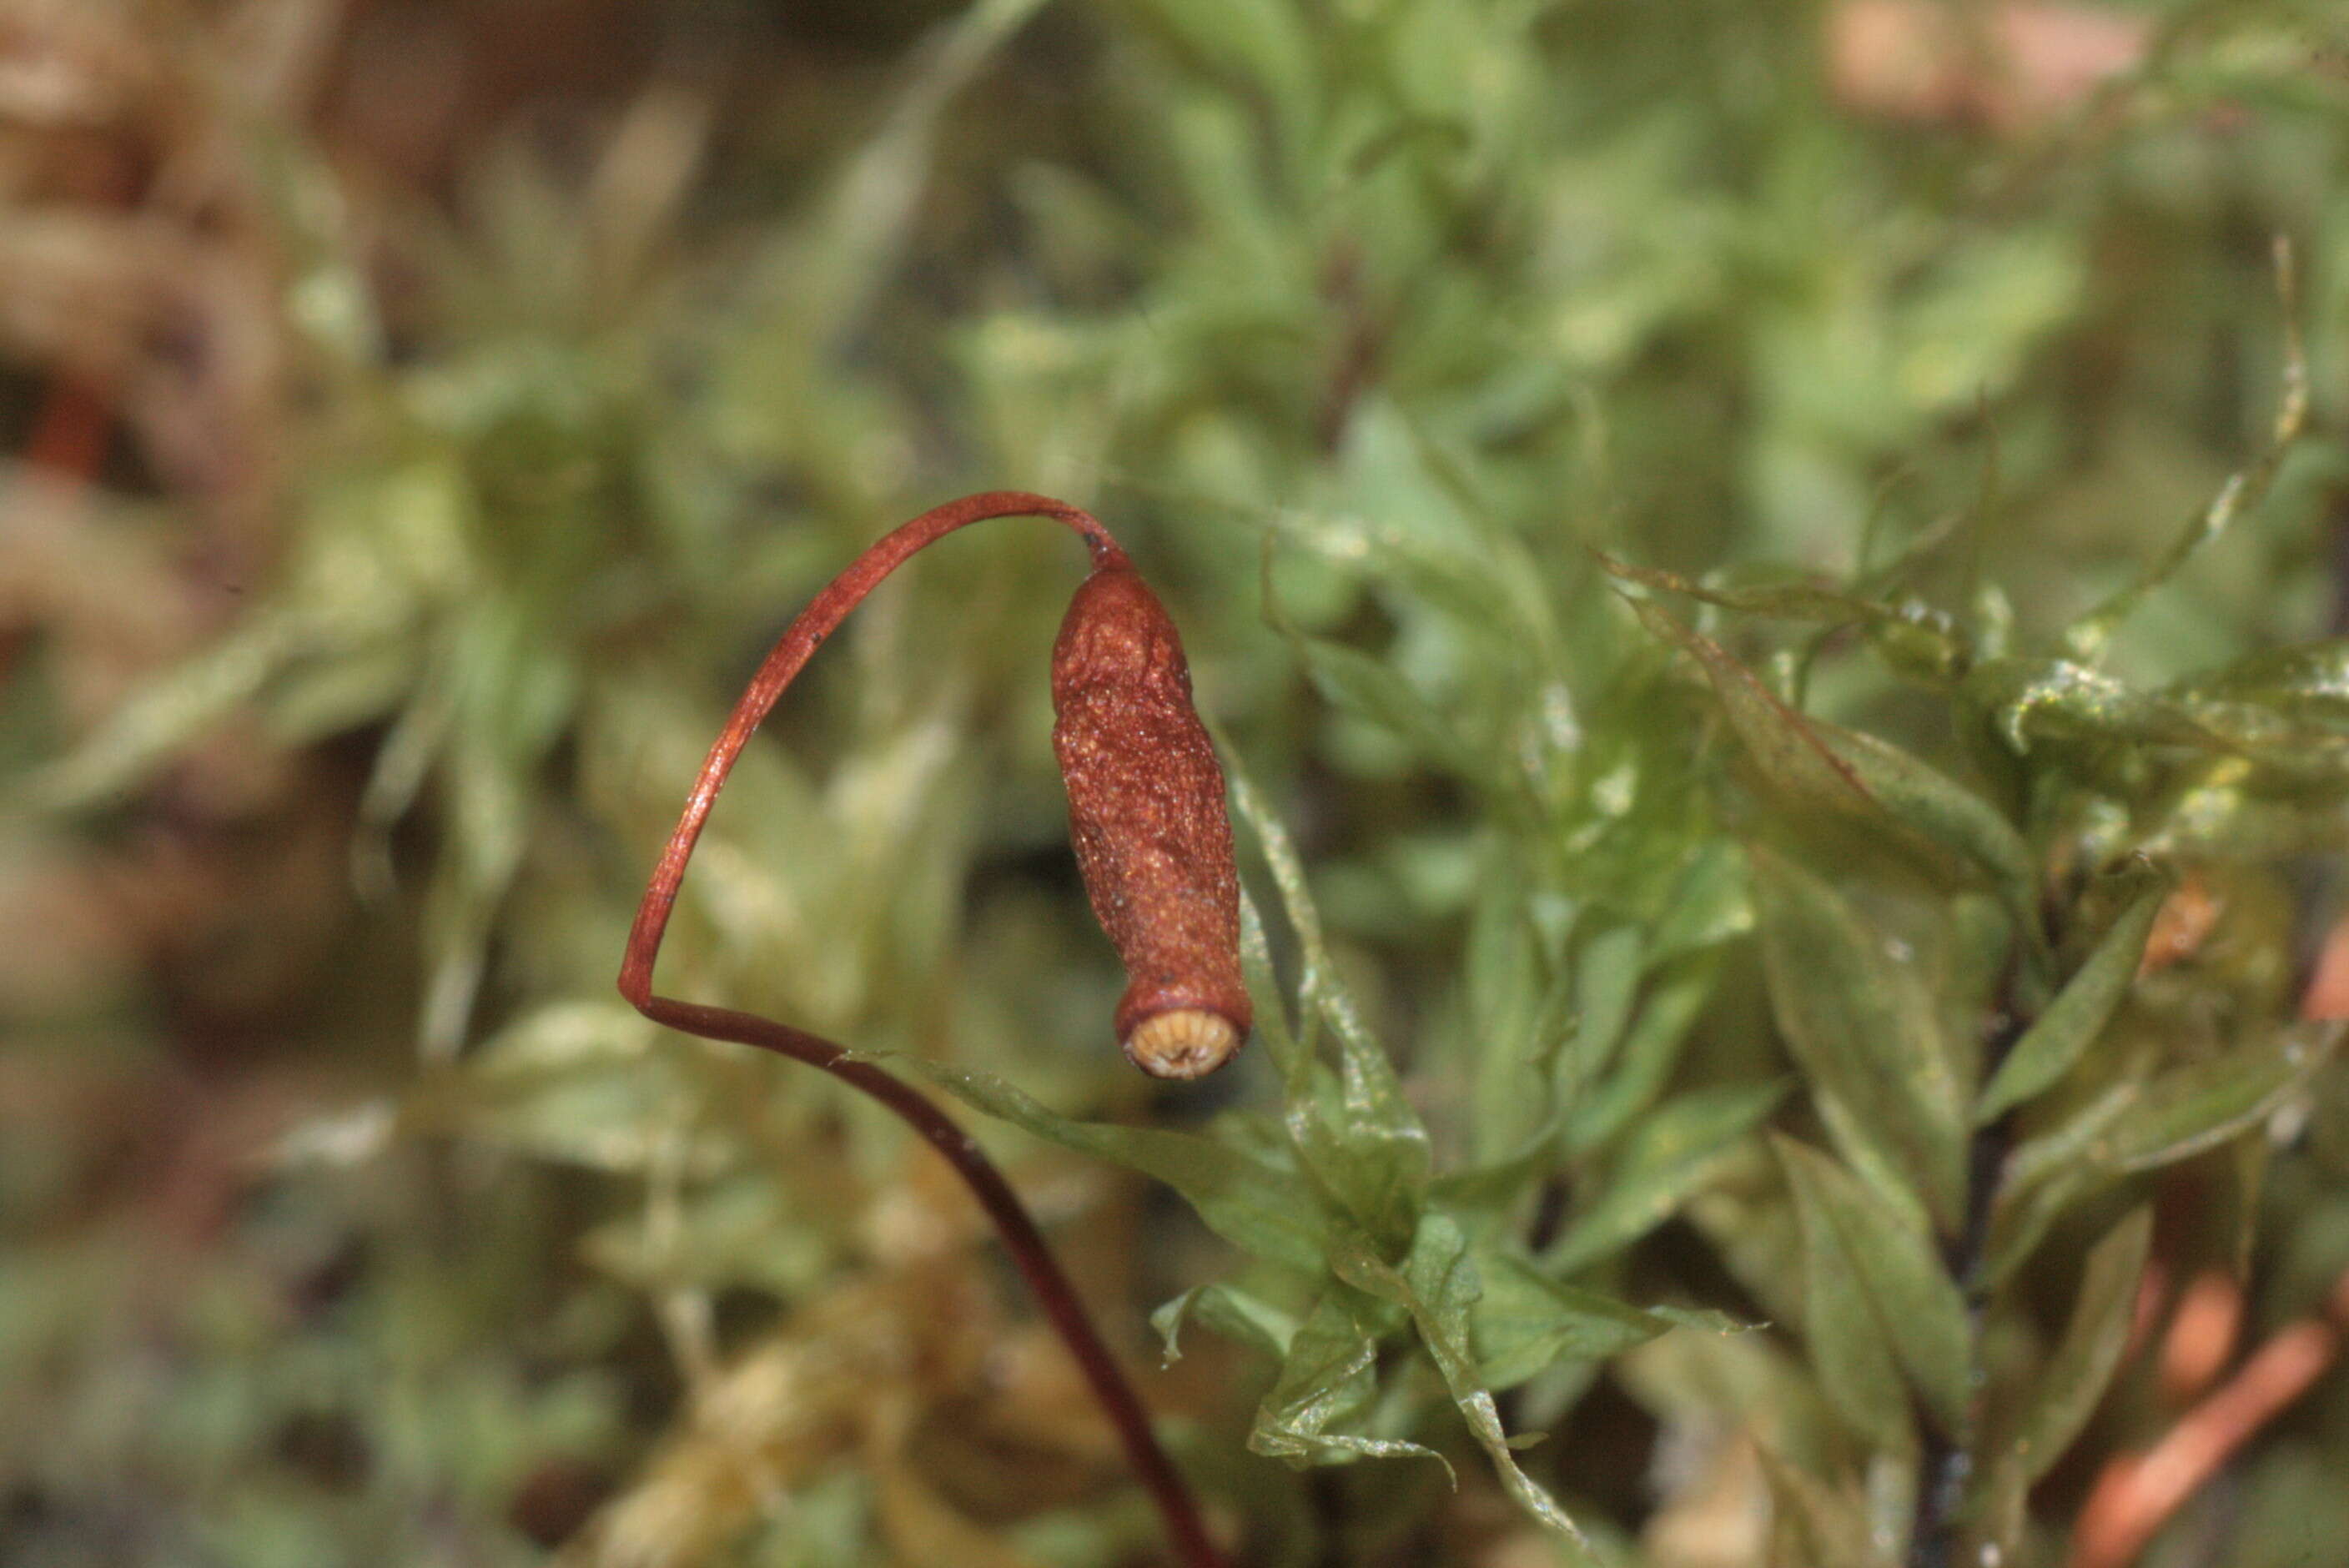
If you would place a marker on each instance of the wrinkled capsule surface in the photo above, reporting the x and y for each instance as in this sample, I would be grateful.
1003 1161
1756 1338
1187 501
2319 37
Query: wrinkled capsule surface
1146 817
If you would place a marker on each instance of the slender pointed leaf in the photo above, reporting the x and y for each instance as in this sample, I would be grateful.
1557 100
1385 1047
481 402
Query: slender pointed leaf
1369 688
1653 1046
2138 1126
1355 1129
2250 1154
1711 904
1287 1053
1786 600
1524 1322
1782 743
1937 809
1863 1029
1904 805
1606 973
2306 684
1917 1304
1672 1159
2076 1016
2191 1108
1239 1315
2045 1176
160 718
2087 637
1255 1206
2065 1392
1846 1337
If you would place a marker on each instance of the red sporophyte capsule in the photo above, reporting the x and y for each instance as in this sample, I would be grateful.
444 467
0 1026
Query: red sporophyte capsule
1146 792
1146 817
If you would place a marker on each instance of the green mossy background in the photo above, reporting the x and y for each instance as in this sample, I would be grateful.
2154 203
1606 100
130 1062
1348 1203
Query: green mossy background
1641 486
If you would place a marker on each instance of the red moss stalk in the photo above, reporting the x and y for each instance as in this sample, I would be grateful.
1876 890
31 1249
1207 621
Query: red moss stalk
1146 812
2136 1494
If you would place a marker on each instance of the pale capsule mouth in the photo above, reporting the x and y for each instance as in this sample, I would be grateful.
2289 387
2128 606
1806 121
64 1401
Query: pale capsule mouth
1182 1043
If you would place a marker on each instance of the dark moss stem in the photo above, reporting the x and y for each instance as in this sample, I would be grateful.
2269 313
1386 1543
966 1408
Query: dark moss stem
1944 1467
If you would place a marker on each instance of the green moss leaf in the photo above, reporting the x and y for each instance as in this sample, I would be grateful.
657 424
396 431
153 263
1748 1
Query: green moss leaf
1790 600
1911 634
2077 1016
1609 965
1846 1336
1438 1284
1917 1307
2139 1126
1830 777
2303 686
2033 702
1250 1202
1329 1381
1353 1127
1935 810
1240 1316
2188 1109
2087 638
1672 1157
1786 748
2065 1392
2046 1174
1370 688
1261 44
1525 1323
171 711
1676 995
1861 1025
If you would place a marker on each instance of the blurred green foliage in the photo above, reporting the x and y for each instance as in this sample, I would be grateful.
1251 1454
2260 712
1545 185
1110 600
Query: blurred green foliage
1721 585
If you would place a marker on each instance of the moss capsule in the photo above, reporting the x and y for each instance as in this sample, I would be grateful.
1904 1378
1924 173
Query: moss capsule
1146 817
